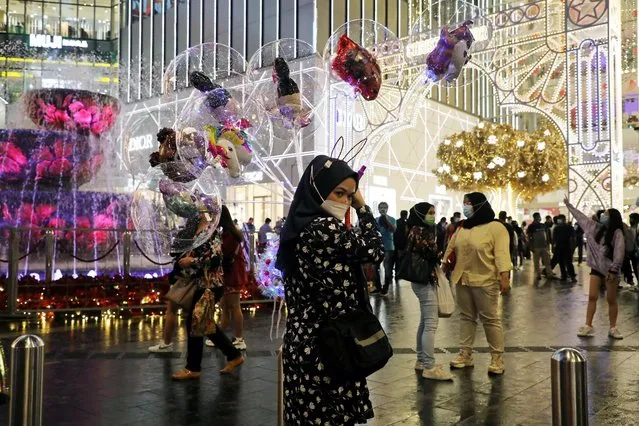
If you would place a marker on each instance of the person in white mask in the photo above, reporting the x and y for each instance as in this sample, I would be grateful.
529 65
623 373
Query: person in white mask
320 260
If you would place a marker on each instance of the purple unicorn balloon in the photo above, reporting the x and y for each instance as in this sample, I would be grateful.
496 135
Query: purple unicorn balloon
451 53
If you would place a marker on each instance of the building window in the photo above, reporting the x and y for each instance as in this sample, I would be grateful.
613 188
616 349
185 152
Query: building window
51 19
3 16
85 22
102 23
15 16
69 22
33 18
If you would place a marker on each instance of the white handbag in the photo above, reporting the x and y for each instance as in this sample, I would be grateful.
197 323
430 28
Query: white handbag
445 299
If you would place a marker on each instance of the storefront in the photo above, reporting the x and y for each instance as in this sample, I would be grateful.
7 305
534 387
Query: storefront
68 43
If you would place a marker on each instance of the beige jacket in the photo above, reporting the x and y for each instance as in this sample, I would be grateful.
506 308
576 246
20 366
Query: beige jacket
482 253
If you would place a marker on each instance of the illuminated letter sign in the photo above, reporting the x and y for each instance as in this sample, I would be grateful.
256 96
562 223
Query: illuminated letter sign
55 42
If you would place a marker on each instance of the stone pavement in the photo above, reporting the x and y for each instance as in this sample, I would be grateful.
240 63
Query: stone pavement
98 371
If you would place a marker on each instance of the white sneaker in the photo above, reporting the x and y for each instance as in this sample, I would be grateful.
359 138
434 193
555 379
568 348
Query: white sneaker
419 366
437 373
239 344
209 343
615 334
586 331
161 348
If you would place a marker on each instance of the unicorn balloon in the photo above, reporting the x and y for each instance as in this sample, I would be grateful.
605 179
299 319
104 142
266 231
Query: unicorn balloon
229 147
218 100
451 53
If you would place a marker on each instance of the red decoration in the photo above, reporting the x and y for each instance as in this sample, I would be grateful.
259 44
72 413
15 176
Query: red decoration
357 67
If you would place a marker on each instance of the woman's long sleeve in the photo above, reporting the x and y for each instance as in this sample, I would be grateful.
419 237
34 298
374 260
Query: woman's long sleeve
619 251
329 236
588 225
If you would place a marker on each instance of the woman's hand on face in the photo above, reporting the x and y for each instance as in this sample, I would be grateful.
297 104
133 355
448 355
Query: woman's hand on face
358 200
185 262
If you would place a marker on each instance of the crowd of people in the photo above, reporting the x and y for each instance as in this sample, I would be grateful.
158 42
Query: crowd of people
330 268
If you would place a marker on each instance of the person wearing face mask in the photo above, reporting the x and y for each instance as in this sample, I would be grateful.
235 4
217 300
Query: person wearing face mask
481 273
321 262
564 243
537 237
422 240
452 228
606 251
387 226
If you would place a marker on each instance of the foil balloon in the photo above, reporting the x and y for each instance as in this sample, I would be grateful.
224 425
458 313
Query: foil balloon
357 67
178 199
451 53
288 96
229 147
218 100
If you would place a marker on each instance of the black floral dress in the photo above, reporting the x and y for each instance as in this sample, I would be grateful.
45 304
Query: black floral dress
324 285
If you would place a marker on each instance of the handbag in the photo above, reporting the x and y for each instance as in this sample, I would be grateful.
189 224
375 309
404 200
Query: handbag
445 299
181 293
203 322
354 345
413 267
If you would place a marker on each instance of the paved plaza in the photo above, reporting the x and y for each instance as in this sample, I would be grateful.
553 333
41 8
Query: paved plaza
99 372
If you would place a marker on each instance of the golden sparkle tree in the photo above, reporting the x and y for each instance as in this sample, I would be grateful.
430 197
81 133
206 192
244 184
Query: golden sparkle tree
512 164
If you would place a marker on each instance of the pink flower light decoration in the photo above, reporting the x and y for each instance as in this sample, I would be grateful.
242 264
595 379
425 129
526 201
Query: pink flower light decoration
12 159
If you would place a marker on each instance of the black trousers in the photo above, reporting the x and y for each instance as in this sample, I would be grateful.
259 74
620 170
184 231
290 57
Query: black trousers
580 251
564 258
195 345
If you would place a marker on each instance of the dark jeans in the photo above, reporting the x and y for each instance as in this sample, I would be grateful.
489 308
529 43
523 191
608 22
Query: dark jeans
630 263
580 252
389 261
195 345
399 254
564 258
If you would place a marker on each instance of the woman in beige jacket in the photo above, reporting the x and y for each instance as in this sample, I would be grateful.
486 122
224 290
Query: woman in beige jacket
481 247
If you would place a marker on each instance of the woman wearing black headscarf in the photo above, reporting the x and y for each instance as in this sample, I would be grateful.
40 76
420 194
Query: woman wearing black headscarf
321 264
482 272
422 240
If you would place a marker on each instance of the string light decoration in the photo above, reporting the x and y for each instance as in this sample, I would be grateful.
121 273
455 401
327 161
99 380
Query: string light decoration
631 177
269 278
495 157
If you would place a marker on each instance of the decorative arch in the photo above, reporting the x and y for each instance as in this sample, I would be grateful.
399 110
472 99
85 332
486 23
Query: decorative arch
558 58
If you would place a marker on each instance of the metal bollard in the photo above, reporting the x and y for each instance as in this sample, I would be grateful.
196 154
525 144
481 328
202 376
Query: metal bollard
27 381
48 254
569 388
126 253
14 263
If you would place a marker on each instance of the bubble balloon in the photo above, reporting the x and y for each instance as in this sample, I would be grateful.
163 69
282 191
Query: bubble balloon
222 147
216 74
287 80
171 217
352 55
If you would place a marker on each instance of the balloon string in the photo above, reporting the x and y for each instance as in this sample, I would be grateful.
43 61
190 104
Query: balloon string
279 317
273 316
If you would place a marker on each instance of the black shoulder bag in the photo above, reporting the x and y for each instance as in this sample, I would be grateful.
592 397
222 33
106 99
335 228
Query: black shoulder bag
415 268
354 345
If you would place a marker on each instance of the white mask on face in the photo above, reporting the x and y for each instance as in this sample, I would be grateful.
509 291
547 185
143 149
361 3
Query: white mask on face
335 209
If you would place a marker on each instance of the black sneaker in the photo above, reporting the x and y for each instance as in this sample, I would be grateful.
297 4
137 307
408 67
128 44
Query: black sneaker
573 279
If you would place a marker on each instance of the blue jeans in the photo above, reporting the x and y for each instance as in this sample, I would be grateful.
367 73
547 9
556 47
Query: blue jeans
429 318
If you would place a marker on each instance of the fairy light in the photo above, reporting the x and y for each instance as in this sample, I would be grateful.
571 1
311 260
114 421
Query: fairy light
518 160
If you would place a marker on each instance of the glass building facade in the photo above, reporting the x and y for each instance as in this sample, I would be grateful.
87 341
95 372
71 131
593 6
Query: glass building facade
67 43
153 32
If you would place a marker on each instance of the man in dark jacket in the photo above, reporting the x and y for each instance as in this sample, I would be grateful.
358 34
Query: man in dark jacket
400 238
441 235
564 245
579 236
511 233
